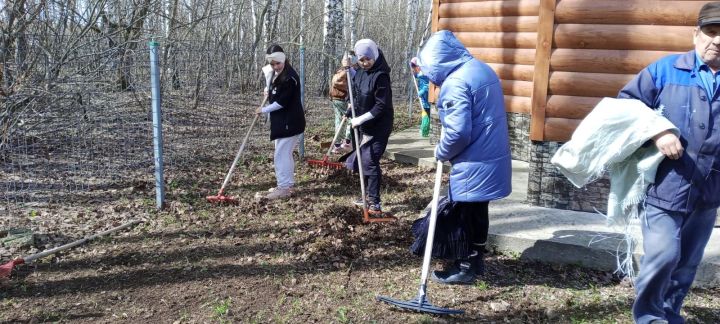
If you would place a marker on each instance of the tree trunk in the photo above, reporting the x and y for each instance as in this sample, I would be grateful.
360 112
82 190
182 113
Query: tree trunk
331 37
170 53
353 19
271 9
411 28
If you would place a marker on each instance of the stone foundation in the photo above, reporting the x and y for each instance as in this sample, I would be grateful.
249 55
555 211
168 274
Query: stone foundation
547 187
519 131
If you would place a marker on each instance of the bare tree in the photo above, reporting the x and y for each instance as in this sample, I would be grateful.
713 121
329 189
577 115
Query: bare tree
411 28
332 34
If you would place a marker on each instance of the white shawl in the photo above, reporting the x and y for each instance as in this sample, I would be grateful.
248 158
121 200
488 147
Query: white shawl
611 138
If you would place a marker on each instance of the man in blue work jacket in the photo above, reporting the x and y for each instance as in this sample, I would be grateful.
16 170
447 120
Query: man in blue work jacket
681 206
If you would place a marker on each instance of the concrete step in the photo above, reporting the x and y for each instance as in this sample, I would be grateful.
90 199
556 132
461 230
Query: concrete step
545 234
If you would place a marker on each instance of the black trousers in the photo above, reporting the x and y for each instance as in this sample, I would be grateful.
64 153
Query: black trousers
373 187
474 217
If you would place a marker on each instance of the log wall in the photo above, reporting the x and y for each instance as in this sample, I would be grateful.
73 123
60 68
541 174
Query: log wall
558 58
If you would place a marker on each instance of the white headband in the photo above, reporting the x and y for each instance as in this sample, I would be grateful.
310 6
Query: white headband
276 56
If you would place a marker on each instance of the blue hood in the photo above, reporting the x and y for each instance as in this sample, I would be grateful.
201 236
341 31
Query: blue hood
441 55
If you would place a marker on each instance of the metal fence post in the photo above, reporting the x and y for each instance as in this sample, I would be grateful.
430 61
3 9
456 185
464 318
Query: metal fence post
157 124
301 147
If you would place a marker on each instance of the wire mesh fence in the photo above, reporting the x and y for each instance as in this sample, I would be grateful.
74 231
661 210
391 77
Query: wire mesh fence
79 132
83 132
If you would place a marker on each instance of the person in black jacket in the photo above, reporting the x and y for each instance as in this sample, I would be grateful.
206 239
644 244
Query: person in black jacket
372 94
287 121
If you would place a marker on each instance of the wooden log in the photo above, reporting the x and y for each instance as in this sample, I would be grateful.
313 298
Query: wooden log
628 12
497 39
432 95
542 69
587 84
489 24
624 37
490 8
459 1
571 107
504 55
513 71
435 15
517 88
603 61
560 129
517 104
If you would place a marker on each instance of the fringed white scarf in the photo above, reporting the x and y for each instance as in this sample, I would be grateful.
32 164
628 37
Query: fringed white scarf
611 138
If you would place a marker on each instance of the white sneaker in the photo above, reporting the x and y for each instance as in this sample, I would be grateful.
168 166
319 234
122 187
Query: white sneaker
279 193
263 194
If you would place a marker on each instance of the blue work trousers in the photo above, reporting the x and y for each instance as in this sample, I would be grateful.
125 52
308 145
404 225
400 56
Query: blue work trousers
673 243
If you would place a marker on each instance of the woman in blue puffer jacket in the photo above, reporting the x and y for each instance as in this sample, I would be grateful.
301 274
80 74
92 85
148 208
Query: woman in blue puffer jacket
475 141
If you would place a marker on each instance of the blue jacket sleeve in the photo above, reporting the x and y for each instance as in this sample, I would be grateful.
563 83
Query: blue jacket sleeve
423 90
456 120
423 87
643 87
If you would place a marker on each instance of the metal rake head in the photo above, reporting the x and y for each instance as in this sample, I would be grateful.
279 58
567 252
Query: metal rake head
419 305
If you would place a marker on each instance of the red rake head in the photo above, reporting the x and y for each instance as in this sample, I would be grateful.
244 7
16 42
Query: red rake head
377 217
222 199
324 163
6 269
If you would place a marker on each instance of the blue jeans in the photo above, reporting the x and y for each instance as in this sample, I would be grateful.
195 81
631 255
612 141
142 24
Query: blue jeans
673 243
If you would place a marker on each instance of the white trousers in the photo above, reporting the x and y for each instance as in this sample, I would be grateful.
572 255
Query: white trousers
284 161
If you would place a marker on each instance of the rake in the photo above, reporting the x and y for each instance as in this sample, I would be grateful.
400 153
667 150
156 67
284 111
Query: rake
6 268
424 122
420 303
324 163
366 212
221 198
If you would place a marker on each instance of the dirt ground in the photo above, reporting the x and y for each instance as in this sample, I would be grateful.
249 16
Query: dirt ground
305 259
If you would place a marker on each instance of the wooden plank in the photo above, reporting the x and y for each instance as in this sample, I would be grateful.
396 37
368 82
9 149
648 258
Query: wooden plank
517 104
490 8
497 39
624 37
490 24
517 88
628 12
603 61
560 129
587 84
458 1
542 69
504 55
513 71
572 107
433 91
435 16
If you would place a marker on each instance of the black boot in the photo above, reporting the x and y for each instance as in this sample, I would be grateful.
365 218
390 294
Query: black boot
479 259
464 271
